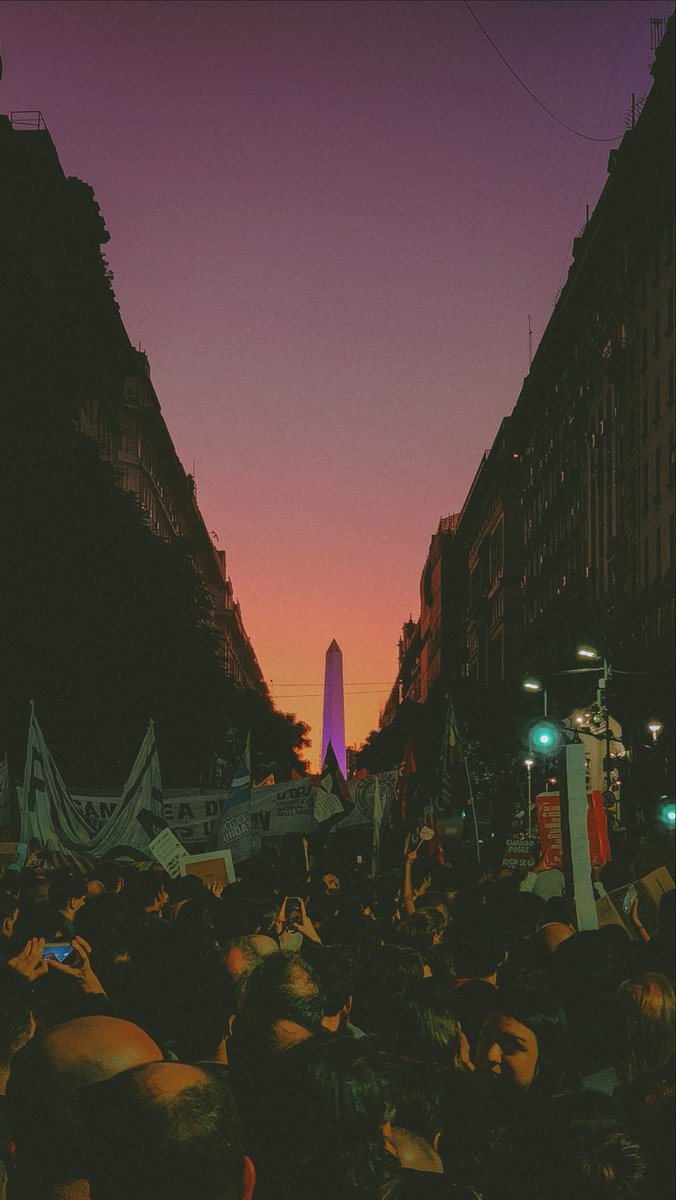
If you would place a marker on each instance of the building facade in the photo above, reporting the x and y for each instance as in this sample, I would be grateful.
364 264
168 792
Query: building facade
573 505
56 262
490 533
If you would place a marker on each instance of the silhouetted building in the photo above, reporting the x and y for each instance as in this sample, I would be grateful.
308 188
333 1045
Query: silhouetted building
407 684
574 502
54 254
489 529
595 418
442 608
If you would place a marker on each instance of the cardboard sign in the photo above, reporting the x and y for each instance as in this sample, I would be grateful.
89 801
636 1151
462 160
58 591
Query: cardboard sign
168 851
610 909
521 852
548 812
214 867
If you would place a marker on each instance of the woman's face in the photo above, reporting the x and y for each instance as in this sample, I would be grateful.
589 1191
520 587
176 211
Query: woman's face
507 1052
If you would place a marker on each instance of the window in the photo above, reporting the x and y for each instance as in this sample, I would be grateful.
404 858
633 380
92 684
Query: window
670 311
644 350
646 487
671 464
496 560
646 562
656 331
658 472
658 552
670 383
657 410
672 539
644 416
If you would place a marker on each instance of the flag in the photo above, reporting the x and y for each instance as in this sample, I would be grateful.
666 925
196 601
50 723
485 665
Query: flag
295 775
50 814
453 783
455 786
331 800
138 817
242 777
378 814
233 827
269 781
4 796
47 811
407 772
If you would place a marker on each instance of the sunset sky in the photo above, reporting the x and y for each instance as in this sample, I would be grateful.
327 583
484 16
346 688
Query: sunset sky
329 223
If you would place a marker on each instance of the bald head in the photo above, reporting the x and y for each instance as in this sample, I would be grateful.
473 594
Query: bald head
90 1049
46 1074
165 1131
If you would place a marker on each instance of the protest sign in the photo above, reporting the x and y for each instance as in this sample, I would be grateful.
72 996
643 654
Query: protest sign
216 866
168 851
612 910
521 852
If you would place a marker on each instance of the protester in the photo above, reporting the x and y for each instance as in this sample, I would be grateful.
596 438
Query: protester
164 1131
418 1035
524 1045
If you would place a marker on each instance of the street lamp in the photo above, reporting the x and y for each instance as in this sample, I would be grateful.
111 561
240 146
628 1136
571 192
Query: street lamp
655 728
534 685
528 764
587 652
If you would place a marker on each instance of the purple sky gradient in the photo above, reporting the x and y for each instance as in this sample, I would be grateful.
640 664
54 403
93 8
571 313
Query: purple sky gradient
329 224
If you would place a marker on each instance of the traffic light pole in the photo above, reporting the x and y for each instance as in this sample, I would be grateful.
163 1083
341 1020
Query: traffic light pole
575 837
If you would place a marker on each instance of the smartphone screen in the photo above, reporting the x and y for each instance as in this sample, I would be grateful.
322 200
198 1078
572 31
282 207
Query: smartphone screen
60 951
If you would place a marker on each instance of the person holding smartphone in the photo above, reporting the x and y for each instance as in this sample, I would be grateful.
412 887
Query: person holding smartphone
293 924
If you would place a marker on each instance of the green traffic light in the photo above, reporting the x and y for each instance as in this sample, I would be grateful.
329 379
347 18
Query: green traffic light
544 737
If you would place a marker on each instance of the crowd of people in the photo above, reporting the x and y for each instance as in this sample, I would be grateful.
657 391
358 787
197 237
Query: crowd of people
433 1032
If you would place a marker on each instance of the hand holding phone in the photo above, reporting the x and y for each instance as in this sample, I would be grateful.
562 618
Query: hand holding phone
61 952
294 912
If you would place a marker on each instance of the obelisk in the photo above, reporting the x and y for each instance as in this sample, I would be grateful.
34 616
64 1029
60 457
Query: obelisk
333 725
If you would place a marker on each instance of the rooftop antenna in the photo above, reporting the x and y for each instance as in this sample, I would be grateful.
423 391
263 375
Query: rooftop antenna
530 342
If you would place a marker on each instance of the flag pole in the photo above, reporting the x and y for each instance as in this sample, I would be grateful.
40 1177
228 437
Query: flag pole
471 800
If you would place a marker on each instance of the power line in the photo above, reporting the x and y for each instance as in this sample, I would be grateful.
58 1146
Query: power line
360 683
586 136
318 695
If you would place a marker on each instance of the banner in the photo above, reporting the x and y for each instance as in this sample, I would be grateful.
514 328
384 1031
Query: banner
57 820
191 814
548 810
235 820
289 808
47 811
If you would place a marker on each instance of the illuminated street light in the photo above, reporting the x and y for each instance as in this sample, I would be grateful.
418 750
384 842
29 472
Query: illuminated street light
587 652
534 685
655 728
